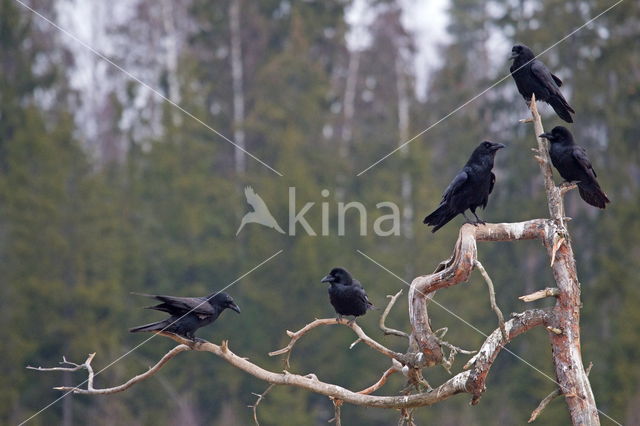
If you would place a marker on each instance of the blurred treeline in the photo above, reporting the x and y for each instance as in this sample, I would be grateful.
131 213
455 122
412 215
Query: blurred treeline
108 190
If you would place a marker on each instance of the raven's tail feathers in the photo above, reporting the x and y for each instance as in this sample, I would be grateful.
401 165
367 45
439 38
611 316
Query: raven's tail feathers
593 195
562 108
154 326
440 217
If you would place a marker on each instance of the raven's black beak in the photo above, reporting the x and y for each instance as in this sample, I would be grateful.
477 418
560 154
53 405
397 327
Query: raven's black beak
513 55
232 305
327 279
548 136
497 146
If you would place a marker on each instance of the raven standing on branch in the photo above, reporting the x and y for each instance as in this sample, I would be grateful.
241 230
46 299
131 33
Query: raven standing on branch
532 76
187 313
574 166
470 188
346 294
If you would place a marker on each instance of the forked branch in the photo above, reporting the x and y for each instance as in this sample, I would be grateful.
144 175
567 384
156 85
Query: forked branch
362 337
383 318
465 382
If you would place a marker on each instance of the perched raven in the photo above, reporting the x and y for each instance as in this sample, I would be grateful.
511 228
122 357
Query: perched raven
574 166
187 313
470 188
532 76
346 294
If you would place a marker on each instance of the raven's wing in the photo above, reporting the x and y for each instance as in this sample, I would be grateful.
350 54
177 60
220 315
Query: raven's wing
362 294
557 80
455 185
198 305
580 155
255 200
492 183
544 76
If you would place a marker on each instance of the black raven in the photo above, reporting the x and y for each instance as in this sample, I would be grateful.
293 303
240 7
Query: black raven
187 313
532 76
470 188
346 294
572 163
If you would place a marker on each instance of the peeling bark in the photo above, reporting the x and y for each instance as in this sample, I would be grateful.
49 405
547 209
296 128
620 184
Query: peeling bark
567 358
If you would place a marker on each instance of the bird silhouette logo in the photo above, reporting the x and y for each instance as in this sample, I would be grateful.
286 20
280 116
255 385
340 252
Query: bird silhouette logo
260 213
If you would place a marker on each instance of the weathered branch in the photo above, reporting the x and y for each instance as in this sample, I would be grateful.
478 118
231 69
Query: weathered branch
140 377
492 297
565 317
540 294
464 382
362 336
386 330
86 365
487 354
456 270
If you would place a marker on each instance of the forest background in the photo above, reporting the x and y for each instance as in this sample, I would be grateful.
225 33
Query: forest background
105 188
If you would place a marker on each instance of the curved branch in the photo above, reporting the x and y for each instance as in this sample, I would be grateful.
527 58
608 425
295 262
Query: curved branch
487 354
386 330
140 377
377 385
492 298
456 270
464 382
362 336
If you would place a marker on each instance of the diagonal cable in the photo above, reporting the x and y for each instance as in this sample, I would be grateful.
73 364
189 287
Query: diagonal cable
486 90
151 337
139 81
476 329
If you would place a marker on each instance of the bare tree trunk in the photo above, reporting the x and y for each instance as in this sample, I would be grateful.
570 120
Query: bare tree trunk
570 372
349 102
238 88
403 133
171 56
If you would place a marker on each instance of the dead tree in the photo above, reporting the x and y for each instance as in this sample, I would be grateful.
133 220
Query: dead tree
426 347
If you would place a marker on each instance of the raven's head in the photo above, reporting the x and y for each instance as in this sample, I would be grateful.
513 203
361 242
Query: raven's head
521 52
338 276
559 134
489 148
224 301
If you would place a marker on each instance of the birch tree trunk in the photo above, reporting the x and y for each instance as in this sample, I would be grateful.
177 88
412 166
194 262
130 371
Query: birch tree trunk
237 85
403 134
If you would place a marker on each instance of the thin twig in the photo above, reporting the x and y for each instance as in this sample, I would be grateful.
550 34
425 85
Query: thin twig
337 403
362 336
92 391
553 395
260 397
492 299
85 365
386 330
